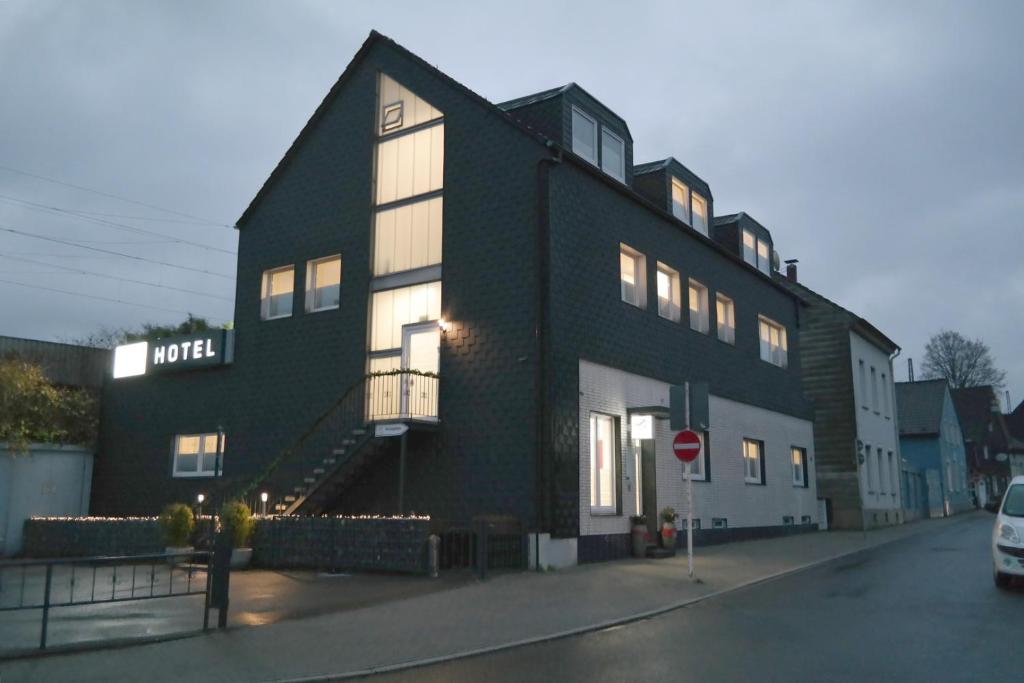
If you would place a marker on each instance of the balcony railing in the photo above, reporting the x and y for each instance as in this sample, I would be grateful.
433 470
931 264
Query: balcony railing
401 395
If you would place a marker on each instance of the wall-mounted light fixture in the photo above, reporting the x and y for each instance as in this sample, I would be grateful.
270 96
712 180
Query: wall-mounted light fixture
263 503
444 325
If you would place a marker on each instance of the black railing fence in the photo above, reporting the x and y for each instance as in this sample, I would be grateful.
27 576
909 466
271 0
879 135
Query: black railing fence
484 545
73 582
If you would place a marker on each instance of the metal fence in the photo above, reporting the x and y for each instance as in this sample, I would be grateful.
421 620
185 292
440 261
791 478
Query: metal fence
75 582
484 545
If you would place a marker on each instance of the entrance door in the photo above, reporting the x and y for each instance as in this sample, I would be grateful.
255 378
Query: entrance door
421 346
649 486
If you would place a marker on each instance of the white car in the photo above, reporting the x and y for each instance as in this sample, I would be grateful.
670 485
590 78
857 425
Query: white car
1008 536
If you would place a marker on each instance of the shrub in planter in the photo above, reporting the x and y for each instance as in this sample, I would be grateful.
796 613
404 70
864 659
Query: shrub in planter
640 536
177 524
236 518
668 528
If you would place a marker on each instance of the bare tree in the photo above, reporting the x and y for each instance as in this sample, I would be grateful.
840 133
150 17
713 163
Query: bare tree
961 361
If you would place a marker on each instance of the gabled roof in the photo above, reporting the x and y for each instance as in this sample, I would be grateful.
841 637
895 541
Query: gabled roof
919 406
856 323
1015 422
673 166
974 406
360 54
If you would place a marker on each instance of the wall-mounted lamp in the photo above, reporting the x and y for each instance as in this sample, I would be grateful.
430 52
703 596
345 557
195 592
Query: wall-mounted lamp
263 503
200 498
444 325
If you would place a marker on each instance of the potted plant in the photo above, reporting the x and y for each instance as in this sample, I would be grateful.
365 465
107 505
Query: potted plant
668 528
177 524
236 518
641 537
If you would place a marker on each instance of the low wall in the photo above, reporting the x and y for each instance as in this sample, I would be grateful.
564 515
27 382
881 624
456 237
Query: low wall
396 544
91 536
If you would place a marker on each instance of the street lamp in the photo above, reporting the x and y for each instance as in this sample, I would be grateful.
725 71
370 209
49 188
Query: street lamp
199 499
263 503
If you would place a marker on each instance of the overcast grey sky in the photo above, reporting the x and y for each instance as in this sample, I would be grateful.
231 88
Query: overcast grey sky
879 141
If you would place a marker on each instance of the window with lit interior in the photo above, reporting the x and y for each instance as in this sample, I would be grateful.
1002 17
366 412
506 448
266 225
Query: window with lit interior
725 313
798 459
277 292
699 318
700 213
749 248
774 348
764 262
680 200
753 461
603 458
196 455
632 276
669 296
323 284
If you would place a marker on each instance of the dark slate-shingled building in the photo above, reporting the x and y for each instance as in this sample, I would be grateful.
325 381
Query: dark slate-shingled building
504 283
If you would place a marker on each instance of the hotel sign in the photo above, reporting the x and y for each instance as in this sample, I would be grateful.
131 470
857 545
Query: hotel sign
200 350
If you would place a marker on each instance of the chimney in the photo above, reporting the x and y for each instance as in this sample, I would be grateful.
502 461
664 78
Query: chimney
910 369
791 269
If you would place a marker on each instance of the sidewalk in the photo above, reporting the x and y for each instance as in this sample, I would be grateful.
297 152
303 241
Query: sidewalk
504 610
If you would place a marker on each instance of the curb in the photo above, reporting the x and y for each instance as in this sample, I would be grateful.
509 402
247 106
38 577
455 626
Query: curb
590 628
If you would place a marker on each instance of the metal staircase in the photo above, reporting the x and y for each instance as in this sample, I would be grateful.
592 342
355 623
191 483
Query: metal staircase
340 444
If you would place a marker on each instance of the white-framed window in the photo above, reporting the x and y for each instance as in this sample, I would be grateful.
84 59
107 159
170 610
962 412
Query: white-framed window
871 475
407 237
863 377
393 308
410 164
883 474
195 455
798 459
753 461
584 135
613 155
894 476
632 276
725 314
400 108
764 260
669 296
323 283
874 389
276 293
699 317
680 200
885 394
749 248
604 453
698 468
774 347
699 207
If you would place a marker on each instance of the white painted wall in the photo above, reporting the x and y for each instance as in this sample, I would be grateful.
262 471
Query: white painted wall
876 427
612 391
48 480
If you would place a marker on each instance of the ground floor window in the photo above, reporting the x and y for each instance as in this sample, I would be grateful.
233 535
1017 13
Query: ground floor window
753 461
196 455
699 469
603 464
798 457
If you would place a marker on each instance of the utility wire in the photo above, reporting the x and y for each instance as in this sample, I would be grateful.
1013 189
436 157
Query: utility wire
98 298
220 224
111 277
118 226
115 253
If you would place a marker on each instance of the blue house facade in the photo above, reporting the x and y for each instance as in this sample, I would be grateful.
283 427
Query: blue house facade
932 446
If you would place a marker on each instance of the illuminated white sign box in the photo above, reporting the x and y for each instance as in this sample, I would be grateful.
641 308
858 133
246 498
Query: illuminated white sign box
206 349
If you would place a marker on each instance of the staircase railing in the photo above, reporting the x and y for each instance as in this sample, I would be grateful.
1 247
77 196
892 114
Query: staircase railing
378 396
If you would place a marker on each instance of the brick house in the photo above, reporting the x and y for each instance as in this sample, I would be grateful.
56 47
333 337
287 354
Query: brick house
504 282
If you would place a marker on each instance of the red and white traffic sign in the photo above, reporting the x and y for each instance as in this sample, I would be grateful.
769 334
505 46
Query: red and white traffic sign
686 445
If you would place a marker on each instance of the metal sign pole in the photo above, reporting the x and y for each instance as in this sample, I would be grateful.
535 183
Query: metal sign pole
689 497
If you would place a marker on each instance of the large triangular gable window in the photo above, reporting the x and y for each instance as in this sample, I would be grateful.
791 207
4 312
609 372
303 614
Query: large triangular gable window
400 108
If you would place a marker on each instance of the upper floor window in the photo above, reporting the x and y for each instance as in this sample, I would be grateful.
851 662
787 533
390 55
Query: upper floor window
197 455
700 214
410 165
632 276
874 389
774 347
393 308
613 155
407 237
764 261
753 461
726 318
885 395
323 284
680 200
584 136
862 376
669 297
749 248
699 319
400 108
277 291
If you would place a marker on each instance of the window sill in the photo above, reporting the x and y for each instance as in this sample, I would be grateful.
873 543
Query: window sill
325 308
633 305
674 321
190 475
603 512
276 317
748 482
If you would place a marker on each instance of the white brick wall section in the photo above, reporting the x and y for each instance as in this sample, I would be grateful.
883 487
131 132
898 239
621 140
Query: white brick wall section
612 391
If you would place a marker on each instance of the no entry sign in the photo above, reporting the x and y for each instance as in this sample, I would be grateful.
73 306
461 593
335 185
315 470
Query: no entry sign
686 445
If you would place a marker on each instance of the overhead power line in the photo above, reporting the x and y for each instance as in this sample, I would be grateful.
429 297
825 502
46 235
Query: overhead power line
98 298
113 196
115 253
112 277
117 226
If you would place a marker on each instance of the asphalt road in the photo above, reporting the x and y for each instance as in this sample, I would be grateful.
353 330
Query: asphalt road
921 609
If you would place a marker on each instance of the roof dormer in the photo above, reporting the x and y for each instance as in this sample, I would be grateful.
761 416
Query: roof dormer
678 190
748 239
570 116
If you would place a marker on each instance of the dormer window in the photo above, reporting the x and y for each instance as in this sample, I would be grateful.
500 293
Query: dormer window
613 155
680 200
757 252
700 214
584 136
764 257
